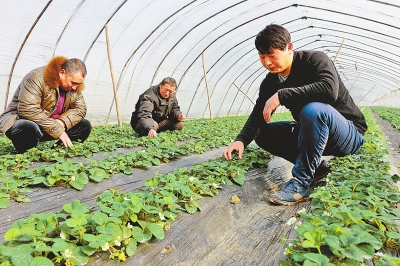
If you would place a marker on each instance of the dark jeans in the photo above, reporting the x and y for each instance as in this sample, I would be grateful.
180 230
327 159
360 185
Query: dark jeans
26 134
321 130
164 125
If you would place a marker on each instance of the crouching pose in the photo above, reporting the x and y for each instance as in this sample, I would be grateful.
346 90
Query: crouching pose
157 110
48 105
327 121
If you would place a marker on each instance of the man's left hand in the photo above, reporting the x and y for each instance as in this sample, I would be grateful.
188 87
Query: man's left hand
181 118
65 140
270 107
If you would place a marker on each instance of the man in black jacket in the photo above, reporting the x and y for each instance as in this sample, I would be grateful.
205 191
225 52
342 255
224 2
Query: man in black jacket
327 121
157 110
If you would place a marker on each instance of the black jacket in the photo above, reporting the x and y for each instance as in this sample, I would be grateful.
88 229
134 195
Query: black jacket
151 106
313 78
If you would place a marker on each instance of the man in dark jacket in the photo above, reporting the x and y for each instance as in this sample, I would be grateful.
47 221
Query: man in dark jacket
157 110
327 121
48 105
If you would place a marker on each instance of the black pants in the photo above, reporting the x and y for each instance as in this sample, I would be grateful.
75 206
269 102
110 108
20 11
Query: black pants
26 134
164 125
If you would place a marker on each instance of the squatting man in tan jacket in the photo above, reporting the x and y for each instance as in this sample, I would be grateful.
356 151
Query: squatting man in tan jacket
48 105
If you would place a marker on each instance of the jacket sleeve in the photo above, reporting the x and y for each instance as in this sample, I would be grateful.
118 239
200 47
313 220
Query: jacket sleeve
324 89
175 111
76 109
144 112
31 93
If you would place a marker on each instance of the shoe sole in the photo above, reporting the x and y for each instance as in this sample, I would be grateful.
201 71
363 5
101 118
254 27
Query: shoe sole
287 203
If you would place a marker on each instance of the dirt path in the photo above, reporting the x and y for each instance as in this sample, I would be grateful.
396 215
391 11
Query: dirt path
393 140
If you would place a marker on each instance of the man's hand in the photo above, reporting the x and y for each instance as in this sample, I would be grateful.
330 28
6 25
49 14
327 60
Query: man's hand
181 117
270 107
64 137
65 140
235 146
152 133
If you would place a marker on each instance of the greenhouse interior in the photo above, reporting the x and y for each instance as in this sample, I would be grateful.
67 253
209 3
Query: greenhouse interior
200 132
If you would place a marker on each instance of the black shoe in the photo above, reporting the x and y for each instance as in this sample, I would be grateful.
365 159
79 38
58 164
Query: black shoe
322 171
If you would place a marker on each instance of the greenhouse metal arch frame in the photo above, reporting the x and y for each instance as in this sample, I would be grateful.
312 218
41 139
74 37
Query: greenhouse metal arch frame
153 39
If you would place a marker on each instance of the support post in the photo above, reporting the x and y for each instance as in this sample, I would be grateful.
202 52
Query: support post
338 52
205 79
366 95
354 82
112 77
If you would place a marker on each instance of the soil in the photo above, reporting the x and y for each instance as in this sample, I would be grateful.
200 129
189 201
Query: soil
393 139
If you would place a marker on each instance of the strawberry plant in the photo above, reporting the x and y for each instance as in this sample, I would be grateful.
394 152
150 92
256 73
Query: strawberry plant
353 218
390 114
75 175
65 173
121 220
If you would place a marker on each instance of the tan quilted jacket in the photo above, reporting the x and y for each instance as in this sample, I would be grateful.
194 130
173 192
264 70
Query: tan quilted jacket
36 99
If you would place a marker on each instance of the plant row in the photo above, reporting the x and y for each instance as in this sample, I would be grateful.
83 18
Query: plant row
108 139
65 172
353 217
122 220
390 114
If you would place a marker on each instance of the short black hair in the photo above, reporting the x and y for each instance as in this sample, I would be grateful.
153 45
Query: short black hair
75 65
170 81
271 37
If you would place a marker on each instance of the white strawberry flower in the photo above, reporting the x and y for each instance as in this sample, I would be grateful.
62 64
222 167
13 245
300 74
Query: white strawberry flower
68 253
297 224
302 211
291 221
162 217
63 235
117 242
105 247
326 213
